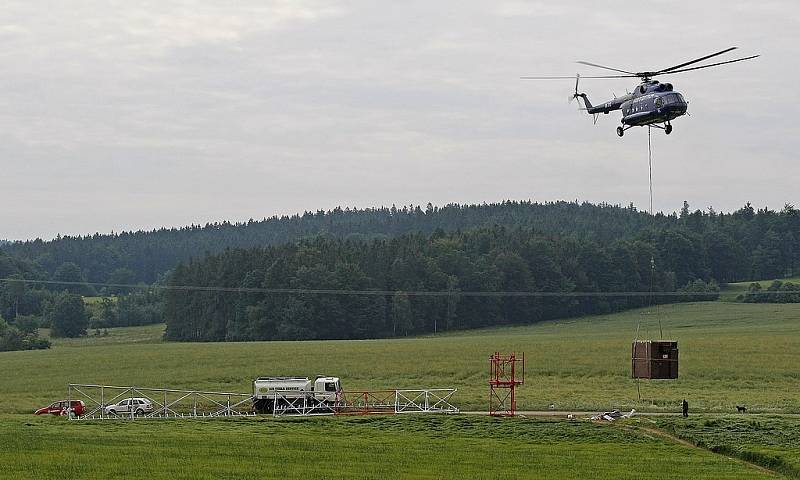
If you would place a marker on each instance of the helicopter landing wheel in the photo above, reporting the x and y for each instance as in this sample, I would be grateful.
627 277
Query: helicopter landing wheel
668 129
620 131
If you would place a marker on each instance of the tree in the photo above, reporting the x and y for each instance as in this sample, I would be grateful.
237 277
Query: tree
16 291
27 324
68 316
722 255
402 316
452 302
108 313
685 210
10 337
121 276
13 338
71 275
768 258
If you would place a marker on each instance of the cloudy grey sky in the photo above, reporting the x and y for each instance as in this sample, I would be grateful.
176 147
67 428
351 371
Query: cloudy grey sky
120 115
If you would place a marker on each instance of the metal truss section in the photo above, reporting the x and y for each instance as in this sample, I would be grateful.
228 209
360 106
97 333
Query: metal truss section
504 377
425 401
99 400
288 403
368 402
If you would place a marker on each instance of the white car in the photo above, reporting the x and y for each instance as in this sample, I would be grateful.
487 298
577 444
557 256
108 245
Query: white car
137 406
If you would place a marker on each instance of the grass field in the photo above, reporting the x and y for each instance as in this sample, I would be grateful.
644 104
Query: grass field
768 441
731 353
116 336
351 448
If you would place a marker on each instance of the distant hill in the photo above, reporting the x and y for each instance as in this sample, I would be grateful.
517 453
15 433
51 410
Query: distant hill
148 254
741 245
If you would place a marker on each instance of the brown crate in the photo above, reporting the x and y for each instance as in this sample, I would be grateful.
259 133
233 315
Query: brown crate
654 359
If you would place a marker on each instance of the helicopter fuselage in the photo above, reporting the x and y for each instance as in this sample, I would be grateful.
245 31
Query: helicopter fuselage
653 108
650 103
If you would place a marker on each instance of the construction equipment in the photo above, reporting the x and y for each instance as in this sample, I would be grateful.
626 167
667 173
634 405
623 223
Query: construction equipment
323 392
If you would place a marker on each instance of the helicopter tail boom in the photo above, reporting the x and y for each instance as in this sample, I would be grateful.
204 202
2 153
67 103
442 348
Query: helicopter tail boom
586 101
576 95
591 109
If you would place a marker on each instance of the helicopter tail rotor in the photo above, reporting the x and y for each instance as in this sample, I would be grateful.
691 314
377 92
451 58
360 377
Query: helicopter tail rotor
576 95
586 104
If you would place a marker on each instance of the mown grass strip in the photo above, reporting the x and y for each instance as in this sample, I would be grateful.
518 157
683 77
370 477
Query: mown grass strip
374 447
770 442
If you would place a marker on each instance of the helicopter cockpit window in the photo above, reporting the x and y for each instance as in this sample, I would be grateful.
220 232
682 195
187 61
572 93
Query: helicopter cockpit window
673 98
659 102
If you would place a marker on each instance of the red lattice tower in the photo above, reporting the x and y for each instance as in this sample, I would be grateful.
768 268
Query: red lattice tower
503 381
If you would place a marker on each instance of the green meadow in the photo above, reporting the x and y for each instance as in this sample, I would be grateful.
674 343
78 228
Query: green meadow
374 447
730 354
773 442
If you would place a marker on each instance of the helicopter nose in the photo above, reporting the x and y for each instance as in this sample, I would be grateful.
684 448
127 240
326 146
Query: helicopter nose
676 108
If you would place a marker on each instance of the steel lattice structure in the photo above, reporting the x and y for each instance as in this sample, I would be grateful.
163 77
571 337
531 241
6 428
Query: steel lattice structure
167 402
503 381
437 400
176 403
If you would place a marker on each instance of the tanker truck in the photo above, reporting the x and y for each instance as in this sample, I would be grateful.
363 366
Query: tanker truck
323 391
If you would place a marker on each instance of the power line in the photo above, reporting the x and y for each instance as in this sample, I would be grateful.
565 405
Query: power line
326 291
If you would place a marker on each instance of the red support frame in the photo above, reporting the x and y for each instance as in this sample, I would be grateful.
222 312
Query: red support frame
503 381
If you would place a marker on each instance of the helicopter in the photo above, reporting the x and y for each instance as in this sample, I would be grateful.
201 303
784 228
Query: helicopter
651 104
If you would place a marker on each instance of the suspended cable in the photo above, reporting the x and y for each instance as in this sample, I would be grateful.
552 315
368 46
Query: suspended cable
650 166
652 230
327 291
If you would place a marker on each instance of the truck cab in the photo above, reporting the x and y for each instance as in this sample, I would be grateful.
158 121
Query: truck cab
327 389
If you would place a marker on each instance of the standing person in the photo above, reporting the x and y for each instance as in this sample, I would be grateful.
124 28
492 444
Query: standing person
685 406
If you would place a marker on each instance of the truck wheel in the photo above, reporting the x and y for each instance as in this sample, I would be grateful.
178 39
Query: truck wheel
112 412
139 411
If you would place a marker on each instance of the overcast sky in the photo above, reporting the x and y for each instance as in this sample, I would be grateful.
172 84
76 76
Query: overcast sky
122 115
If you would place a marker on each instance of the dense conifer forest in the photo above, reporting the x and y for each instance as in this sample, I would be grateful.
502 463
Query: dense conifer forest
747 235
485 260
510 246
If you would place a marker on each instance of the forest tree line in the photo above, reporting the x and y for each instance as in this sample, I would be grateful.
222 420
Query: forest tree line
751 244
689 247
453 264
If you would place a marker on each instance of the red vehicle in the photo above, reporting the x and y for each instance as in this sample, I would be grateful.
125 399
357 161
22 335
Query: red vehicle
60 408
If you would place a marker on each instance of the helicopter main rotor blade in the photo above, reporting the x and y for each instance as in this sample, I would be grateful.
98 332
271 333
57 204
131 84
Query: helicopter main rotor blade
607 68
711 65
669 69
572 77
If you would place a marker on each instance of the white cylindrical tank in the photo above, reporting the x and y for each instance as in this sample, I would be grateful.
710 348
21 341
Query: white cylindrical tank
265 387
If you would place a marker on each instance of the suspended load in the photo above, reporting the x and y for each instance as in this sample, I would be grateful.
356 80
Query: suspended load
654 359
